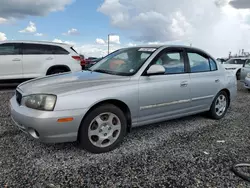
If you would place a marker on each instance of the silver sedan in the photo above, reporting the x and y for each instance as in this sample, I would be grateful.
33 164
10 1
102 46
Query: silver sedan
130 87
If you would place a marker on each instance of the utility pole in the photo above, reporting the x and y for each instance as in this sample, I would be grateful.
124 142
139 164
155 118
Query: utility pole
110 34
108 43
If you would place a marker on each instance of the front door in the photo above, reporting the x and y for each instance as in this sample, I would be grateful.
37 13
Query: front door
10 61
168 95
245 70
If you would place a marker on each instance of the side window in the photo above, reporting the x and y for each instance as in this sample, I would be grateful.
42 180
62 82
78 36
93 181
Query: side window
9 49
198 63
213 65
59 50
36 49
172 61
247 65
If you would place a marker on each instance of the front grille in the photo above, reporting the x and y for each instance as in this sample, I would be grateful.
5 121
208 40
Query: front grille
18 97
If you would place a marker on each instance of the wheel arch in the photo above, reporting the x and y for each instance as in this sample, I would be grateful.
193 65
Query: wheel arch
56 67
118 103
238 70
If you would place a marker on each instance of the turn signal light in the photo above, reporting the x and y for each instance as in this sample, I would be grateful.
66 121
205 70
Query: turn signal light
63 120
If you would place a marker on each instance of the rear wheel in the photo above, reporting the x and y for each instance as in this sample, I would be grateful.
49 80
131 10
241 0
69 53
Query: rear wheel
103 129
219 106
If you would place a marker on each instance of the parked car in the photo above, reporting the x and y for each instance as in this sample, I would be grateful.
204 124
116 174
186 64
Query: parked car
247 81
31 59
235 64
245 70
99 106
90 62
245 74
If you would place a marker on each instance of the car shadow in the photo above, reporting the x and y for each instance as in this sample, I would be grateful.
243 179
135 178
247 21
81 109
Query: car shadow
73 146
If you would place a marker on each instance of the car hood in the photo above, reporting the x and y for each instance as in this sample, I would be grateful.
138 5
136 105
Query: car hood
70 82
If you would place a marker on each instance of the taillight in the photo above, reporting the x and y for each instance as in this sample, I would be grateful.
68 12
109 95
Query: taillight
77 58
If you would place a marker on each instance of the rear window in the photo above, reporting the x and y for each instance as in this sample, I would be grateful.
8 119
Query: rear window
59 50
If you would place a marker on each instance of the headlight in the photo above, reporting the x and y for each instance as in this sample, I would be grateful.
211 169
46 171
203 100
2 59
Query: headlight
248 75
40 102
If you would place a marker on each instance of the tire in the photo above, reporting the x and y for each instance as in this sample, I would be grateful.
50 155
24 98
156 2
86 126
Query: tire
213 112
242 175
104 136
56 71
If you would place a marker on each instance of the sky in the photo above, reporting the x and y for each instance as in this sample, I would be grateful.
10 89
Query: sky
216 26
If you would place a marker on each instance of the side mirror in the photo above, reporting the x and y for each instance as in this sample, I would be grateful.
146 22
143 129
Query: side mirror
156 70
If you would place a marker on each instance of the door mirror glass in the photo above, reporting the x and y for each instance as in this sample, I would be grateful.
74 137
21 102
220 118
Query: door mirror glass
156 70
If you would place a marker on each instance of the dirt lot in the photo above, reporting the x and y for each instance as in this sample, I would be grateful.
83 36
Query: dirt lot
189 152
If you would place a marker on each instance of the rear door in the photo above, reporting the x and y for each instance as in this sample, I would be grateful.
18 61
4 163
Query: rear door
244 70
205 79
10 61
61 55
37 58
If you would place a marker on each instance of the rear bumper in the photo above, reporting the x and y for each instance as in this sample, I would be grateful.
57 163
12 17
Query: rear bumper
43 126
76 67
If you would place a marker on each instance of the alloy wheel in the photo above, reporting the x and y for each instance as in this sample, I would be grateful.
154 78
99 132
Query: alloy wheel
220 105
104 129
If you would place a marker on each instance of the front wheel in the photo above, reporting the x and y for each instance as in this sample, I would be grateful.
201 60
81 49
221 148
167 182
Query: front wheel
103 129
219 106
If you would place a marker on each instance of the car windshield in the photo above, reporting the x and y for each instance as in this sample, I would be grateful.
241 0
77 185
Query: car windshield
235 61
124 62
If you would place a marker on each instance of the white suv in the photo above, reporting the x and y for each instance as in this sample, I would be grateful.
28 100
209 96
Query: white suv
31 59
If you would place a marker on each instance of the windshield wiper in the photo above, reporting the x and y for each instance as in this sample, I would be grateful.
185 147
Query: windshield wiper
102 71
110 72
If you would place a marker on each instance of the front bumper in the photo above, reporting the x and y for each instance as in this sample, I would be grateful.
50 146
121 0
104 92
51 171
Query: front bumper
43 126
247 83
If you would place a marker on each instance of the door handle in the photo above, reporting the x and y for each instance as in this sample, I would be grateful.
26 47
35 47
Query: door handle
16 59
184 84
217 80
49 58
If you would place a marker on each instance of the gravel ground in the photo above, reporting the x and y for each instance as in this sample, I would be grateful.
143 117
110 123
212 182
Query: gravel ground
189 152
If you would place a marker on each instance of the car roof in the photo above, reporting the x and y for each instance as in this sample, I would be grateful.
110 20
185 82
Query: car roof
36 42
166 46
172 46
